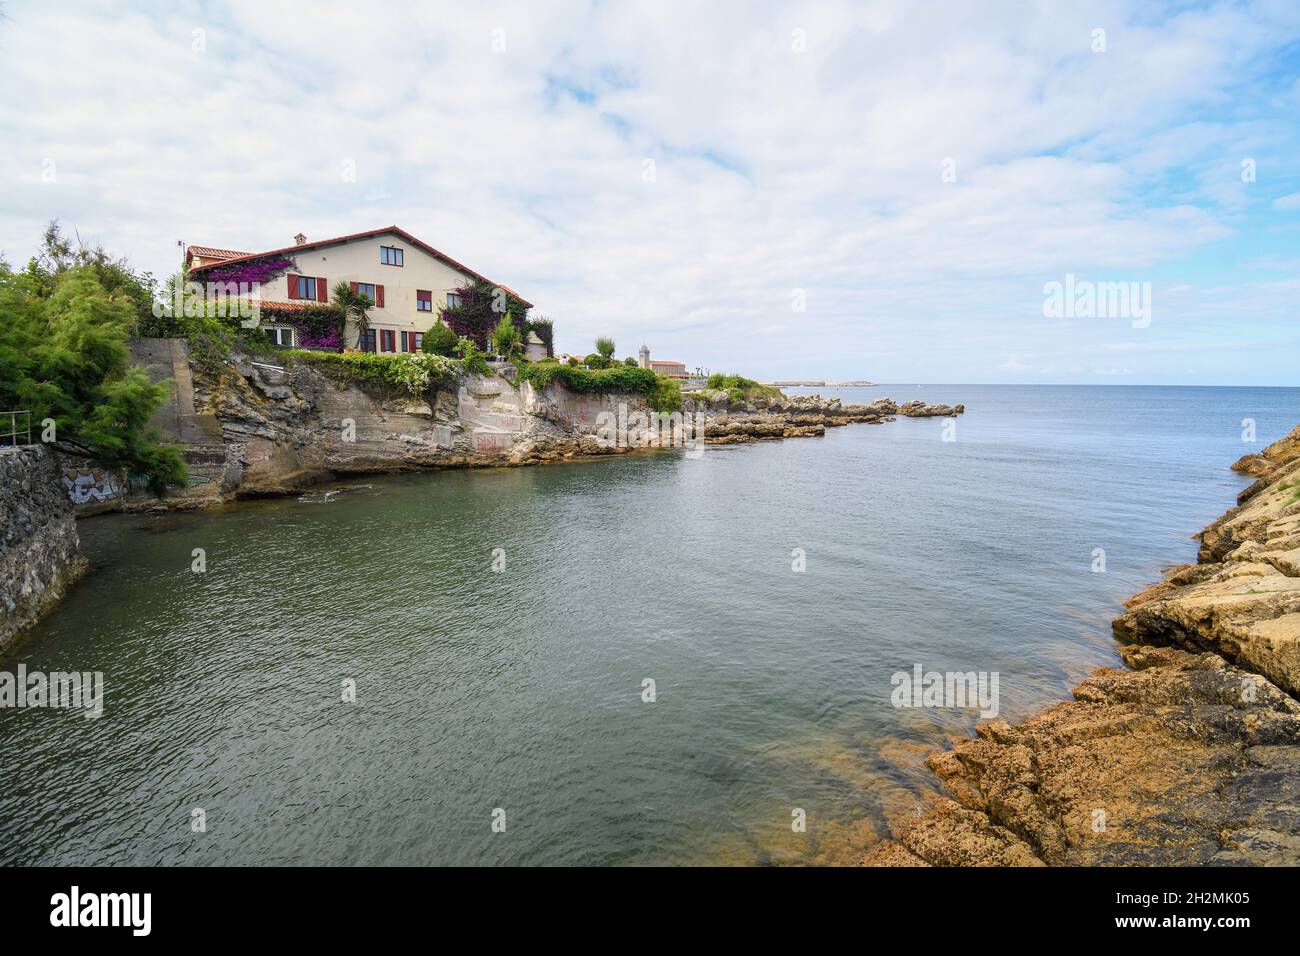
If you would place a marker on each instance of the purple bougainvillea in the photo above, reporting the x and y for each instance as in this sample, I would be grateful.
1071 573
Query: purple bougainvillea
260 271
317 326
331 339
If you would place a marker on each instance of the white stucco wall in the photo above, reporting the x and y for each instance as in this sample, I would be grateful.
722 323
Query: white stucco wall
358 261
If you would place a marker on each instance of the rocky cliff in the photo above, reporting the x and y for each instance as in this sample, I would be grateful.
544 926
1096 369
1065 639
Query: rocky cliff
252 428
1191 756
39 548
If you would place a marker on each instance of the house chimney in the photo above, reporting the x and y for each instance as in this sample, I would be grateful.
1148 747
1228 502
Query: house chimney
300 239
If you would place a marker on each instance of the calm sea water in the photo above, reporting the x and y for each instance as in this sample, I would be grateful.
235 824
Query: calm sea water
522 690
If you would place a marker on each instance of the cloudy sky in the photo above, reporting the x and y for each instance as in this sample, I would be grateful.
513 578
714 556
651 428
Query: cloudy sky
787 190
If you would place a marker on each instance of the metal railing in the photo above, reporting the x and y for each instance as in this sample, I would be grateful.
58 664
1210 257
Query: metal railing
10 437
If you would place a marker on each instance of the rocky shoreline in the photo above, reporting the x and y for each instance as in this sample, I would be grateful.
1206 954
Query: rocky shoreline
728 423
1189 757
252 429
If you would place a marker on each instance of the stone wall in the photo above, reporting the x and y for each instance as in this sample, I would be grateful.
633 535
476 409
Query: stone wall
39 549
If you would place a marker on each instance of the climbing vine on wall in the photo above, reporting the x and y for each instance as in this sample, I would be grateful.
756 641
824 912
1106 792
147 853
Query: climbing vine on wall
480 309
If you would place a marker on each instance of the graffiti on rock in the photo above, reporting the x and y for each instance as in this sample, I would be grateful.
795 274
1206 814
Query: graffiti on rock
90 484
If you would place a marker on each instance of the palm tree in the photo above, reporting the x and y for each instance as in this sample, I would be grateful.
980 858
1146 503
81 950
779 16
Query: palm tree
356 307
605 346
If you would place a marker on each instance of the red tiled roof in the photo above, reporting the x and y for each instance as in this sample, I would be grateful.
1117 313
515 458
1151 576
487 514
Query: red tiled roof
208 252
370 234
655 361
289 306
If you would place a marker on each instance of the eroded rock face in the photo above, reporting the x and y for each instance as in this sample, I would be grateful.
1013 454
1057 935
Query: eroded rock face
1242 600
1183 760
281 430
1190 757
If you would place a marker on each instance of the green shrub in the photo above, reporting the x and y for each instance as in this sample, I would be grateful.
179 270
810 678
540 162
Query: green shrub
740 389
638 381
471 359
630 362
667 395
506 337
414 373
596 360
440 340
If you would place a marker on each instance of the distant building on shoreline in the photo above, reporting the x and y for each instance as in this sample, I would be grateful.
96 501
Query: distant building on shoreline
661 366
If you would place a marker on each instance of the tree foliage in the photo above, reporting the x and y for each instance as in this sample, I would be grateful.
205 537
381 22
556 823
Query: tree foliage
64 325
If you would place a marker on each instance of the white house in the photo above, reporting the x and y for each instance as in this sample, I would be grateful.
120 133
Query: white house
409 282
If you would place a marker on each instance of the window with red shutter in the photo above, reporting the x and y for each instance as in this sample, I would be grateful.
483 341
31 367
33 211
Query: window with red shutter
379 297
322 293
293 286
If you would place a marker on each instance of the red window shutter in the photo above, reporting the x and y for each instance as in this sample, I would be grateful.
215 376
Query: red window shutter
322 293
354 287
379 295
293 286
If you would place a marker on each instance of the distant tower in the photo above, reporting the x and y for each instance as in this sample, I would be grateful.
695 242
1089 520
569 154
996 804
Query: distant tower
645 355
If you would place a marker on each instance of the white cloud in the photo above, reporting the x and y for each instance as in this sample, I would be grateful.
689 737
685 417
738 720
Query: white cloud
775 170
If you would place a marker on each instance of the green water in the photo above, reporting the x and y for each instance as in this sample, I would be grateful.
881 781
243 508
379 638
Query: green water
521 689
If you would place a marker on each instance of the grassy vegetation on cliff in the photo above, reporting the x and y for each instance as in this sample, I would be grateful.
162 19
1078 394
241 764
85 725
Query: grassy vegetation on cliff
667 396
412 372
741 389
620 378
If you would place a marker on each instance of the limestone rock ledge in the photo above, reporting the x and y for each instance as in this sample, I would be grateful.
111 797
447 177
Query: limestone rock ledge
271 430
767 419
1191 757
